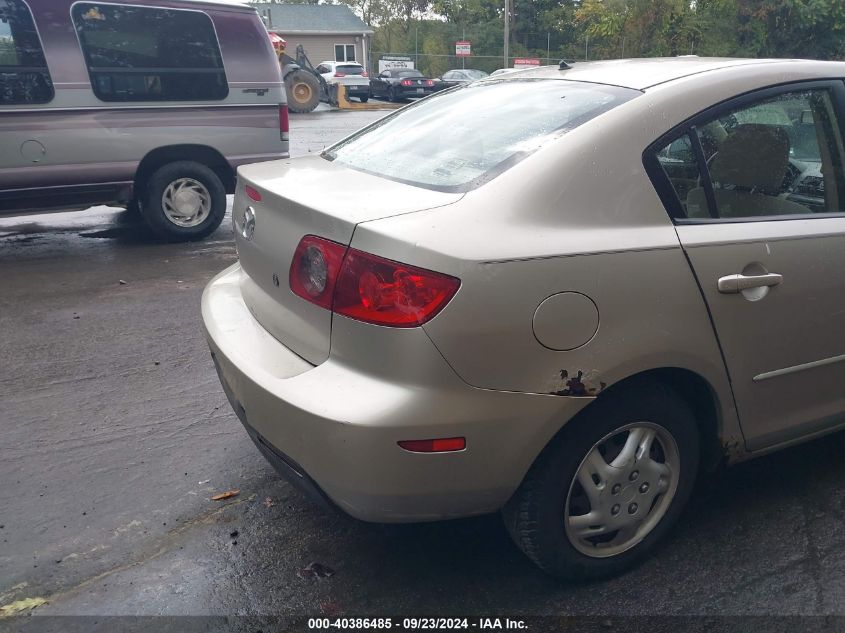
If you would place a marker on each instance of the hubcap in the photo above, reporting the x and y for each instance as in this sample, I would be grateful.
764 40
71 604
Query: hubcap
622 489
186 202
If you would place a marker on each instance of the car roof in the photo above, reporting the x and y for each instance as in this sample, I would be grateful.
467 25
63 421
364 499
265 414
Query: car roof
640 73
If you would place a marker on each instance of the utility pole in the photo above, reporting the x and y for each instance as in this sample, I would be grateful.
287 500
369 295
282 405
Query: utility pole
416 47
507 29
548 47
587 48
463 38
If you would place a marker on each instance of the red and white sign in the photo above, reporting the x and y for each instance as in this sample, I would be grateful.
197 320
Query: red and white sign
526 62
463 49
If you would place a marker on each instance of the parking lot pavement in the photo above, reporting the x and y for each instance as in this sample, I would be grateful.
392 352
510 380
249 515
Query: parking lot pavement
115 435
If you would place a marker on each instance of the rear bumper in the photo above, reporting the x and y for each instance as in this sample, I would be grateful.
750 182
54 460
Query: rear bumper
333 429
414 92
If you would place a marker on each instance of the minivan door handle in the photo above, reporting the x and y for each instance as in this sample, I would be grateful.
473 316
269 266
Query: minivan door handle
732 284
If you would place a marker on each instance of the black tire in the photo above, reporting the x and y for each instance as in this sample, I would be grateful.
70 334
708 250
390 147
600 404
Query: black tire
535 516
133 208
303 91
364 98
391 95
153 206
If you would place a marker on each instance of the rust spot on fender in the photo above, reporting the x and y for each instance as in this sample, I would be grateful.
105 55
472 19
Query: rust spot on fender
734 450
581 385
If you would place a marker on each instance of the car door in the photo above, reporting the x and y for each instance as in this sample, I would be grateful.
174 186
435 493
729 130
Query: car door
26 94
379 84
764 231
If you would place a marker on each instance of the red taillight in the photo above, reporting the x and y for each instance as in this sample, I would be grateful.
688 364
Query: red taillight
252 194
365 74
429 82
406 82
340 74
384 292
442 445
284 121
366 287
314 269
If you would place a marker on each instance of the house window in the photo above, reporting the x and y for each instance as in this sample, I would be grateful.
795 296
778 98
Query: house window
24 77
150 54
344 52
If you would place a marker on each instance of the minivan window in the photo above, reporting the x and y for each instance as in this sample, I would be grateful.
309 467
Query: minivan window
24 77
458 139
150 54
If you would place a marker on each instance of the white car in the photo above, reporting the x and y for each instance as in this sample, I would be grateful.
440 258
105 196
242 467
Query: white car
350 74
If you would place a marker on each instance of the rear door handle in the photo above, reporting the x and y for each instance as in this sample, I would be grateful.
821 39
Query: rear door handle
732 284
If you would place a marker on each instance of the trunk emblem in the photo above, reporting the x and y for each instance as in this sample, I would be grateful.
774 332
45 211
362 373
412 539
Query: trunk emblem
248 228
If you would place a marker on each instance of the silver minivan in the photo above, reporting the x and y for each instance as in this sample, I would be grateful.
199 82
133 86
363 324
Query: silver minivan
150 105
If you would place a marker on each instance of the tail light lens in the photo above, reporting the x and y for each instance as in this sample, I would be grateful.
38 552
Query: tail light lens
314 269
365 74
406 82
429 82
366 287
340 74
284 122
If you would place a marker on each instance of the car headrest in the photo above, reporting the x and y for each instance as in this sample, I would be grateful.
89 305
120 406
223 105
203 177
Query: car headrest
753 156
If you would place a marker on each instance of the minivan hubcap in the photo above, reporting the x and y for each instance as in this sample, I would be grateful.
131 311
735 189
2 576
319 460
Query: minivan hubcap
622 489
186 202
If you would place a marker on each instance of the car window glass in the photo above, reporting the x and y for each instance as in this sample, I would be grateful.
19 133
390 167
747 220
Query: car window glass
457 139
350 69
681 168
150 54
24 77
780 156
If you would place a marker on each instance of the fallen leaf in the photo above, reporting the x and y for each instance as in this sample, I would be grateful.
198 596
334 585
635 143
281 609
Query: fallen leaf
269 503
315 570
121 282
226 495
330 608
21 605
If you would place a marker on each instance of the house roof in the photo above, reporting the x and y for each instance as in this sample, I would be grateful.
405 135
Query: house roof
312 18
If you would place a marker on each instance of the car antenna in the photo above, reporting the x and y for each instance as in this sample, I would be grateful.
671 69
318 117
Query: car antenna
564 65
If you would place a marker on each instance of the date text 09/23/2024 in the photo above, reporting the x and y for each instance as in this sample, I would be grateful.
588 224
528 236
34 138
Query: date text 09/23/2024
412 624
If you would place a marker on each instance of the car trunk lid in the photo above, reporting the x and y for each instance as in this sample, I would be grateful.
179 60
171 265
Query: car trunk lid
307 196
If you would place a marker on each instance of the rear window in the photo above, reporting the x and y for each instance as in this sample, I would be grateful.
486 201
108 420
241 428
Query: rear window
409 73
456 140
350 70
150 54
24 77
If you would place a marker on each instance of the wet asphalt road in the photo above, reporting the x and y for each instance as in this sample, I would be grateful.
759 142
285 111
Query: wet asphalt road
114 434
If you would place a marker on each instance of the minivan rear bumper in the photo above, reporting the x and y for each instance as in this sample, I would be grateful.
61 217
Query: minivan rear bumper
333 430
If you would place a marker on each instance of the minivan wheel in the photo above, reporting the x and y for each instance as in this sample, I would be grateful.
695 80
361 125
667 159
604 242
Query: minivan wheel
606 490
183 201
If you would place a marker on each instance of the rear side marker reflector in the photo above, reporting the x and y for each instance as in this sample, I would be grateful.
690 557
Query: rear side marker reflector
252 194
441 445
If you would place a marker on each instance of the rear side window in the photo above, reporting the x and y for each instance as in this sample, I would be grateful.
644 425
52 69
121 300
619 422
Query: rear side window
150 54
24 77
459 139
